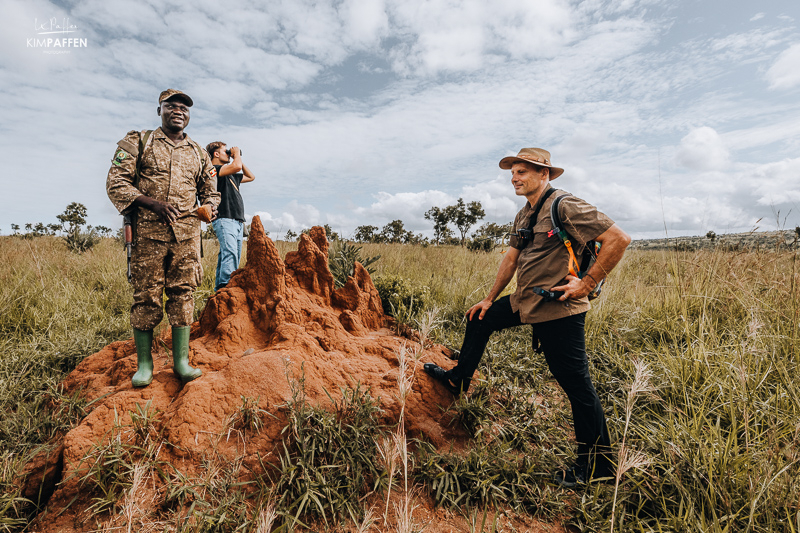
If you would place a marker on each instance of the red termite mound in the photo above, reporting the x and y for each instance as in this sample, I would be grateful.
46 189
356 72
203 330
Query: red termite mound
275 322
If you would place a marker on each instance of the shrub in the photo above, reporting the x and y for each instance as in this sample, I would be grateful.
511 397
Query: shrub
399 297
81 241
342 258
481 244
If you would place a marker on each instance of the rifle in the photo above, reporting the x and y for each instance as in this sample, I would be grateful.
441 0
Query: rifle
127 230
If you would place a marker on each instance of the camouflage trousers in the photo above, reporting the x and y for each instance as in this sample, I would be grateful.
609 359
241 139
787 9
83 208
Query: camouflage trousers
159 267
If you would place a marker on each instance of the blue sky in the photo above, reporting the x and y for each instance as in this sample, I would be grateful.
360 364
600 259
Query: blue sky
673 117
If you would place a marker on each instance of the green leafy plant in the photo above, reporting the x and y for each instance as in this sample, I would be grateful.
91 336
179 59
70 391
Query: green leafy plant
400 297
342 257
330 458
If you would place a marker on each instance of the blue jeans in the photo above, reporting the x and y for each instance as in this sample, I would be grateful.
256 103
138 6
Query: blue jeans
229 234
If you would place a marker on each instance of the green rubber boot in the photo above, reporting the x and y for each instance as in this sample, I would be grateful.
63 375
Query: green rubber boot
144 358
180 355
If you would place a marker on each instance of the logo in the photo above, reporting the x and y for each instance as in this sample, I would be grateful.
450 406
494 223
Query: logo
119 156
55 36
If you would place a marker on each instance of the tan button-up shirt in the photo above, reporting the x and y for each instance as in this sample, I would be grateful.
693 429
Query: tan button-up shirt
177 173
544 262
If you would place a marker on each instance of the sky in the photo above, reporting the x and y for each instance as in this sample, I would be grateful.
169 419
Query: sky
672 117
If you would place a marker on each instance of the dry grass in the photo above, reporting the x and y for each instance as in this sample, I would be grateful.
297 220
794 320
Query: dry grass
714 449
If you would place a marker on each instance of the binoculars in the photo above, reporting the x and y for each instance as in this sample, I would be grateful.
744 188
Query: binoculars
228 151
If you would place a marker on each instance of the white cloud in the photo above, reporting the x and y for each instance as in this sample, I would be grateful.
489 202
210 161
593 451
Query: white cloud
410 207
355 112
757 16
295 217
777 184
444 36
785 72
365 21
702 149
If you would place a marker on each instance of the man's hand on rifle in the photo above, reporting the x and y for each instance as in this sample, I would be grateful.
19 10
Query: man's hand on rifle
168 213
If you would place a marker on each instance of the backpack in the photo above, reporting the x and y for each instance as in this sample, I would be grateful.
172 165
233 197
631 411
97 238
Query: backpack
590 251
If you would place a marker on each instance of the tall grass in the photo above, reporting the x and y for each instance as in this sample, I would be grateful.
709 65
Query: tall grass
718 434
56 307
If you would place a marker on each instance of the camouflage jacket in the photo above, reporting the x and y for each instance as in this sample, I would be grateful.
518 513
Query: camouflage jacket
180 174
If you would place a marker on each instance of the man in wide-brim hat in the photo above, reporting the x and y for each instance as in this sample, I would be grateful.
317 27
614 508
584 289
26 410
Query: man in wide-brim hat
541 262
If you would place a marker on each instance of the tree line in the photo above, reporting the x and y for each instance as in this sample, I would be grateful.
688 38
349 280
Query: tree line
451 226
461 216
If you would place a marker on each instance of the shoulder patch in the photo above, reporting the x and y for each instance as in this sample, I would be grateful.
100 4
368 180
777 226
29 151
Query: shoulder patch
120 156
213 172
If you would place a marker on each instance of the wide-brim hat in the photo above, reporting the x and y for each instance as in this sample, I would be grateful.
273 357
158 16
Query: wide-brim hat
174 94
536 156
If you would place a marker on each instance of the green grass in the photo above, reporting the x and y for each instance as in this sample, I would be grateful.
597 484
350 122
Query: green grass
715 432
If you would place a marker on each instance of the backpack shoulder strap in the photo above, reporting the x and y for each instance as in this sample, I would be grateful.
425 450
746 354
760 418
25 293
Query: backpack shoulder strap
558 229
145 139
535 216
555 217
201 154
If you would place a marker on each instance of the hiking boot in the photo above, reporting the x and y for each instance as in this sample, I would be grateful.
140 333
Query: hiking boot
578 475
144 358
180 355
443 376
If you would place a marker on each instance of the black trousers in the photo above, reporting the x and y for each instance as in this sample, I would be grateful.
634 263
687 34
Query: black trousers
564 346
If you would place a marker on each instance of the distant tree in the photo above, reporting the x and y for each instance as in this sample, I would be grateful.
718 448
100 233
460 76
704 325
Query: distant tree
712 236
54 228
494 231
394 232
291 236
73 217
440 218
366 234
418 238
209 232
488 236
332 235
104 231
40 230
464 216
15 229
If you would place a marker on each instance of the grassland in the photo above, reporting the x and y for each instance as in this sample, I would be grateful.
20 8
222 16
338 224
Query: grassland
694 354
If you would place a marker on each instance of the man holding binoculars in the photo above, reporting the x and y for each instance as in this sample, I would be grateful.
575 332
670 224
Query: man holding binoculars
229 224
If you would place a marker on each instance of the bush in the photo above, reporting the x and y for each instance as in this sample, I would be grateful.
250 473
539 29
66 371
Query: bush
342 257
481 244
400 298
81 241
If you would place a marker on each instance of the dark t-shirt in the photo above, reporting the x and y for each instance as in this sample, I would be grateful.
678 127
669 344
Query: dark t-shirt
231 205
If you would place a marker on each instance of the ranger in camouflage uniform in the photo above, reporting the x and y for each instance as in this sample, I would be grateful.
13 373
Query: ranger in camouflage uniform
161 186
